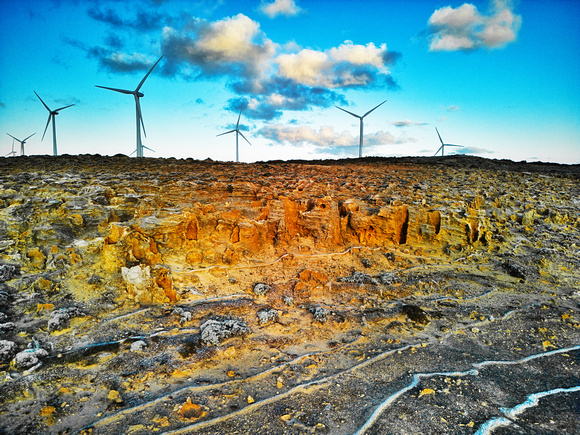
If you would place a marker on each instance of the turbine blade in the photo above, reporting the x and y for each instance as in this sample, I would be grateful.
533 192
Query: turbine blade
47 122
438 150
239 116
42 101
147 75
132 153
28 137
439 135
221 134
70 105
148 148
123 91
14 137
376 107
241 134
350 113
451 145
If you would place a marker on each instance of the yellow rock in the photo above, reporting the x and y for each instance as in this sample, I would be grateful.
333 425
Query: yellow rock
230 352
251 399
426 391
114 396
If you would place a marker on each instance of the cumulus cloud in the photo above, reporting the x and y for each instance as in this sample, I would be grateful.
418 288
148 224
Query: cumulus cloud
280 7
408 123
453 108
347 65
324 137
233 46
267 78
466 28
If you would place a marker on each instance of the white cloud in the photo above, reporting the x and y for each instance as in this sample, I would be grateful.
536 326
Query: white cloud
347 65
280 7
453 108
408 123
326 136
465 28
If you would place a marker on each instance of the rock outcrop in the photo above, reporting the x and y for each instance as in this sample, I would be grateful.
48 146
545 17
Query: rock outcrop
145 295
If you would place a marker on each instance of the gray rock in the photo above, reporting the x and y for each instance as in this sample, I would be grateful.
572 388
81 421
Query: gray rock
213 332
28 358
260 289
266 316
59 318
359 278
7 350
138 346
9 271
320 314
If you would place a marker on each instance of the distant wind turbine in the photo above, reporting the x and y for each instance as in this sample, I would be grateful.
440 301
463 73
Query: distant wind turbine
361 124
139 115
443 145
22 142
238 132
51 116
11 153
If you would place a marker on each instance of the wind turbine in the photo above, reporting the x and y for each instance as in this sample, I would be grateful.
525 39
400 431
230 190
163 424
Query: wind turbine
139 115
22 142
51 116
361 124
11 153
238 132
443 145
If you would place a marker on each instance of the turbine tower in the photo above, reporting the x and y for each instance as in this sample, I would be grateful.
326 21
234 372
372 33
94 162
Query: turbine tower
443 145
238 132
139 115
22 142
361 124
51 116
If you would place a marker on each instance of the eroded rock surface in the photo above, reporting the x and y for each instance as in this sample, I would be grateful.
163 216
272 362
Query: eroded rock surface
418 295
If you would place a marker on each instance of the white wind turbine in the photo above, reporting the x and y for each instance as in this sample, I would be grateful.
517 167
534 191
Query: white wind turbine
11 153
238 132
51 116
139 115
443 145
22 142
361 124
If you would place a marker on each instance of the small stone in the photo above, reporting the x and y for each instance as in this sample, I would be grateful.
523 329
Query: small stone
320 314
214 331
9 271
138 346
7 350
266 316
288 300
114 396
260 289
251 399
28 358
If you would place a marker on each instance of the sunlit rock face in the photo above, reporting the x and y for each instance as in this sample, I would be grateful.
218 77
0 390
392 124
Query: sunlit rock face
123 280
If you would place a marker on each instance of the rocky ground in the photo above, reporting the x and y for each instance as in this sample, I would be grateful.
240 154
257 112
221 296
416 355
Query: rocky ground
414 295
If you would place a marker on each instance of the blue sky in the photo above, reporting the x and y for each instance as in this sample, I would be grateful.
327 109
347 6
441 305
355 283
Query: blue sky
499 77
